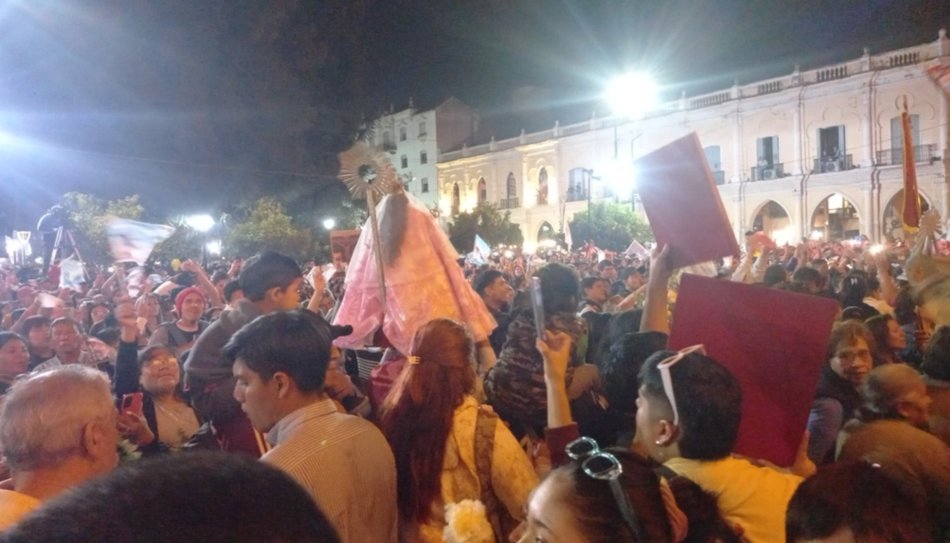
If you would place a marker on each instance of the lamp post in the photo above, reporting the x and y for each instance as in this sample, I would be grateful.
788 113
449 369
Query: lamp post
630 96
201 223
329 223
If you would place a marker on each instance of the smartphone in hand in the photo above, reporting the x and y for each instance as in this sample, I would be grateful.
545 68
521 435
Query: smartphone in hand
537 303
132 403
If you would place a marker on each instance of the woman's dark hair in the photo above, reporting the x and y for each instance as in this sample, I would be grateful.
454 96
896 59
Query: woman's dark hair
877 325
936 363
559 287
416 415
859 497
706 524
905 306
596 512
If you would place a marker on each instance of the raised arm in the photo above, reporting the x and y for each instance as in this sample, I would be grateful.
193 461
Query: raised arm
203 281
655 306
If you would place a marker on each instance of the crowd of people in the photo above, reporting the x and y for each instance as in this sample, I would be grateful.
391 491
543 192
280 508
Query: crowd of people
211 403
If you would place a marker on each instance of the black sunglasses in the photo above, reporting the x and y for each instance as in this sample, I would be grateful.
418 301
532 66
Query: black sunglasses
604 466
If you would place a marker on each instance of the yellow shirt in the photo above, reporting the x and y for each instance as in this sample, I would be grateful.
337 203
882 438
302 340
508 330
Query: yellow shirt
752 497
14 506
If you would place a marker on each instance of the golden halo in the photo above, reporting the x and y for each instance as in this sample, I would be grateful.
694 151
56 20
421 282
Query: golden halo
365 169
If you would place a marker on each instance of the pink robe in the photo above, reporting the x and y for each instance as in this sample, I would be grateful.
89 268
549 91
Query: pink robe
423 283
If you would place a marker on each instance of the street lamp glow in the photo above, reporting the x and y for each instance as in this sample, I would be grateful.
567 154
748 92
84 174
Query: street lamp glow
201 223
623 180
213 247
329 223
632 94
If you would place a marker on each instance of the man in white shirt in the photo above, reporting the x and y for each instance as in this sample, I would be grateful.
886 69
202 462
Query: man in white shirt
343 461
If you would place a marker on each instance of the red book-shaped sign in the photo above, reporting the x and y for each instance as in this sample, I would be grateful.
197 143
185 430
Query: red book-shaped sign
681 201
773 341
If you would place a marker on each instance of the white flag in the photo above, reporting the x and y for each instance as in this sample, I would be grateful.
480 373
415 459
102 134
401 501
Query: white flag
133 241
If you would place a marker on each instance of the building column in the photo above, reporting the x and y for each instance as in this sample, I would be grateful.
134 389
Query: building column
868 125
737 148
798 135
869 219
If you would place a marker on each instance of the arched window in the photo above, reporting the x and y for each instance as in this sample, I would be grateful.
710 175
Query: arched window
511 193
456 199
482 190
836 219
774 221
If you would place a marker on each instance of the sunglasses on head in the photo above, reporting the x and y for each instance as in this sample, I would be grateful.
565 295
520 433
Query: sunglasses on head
665 367
604 466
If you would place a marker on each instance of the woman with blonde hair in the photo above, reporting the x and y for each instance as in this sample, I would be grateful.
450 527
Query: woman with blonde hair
431 419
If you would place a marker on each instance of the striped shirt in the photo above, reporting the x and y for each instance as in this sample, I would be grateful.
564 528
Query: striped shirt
346 465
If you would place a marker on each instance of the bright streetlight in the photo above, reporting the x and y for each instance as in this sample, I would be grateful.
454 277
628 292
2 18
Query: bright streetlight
632 94
213 247
200 223
329 223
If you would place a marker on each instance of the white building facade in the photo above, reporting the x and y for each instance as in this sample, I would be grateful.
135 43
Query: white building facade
415 138
813 151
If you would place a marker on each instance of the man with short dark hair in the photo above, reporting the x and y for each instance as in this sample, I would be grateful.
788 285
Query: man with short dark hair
345 463
497 294
271 282
631 280
691 426
596 293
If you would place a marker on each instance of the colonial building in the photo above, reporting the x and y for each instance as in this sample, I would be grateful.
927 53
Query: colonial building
812 152
414 139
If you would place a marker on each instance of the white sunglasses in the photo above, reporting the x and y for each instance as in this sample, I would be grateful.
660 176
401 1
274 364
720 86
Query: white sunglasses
664 368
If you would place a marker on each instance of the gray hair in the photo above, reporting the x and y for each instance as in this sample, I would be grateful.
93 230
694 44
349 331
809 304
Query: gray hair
43 415
885 387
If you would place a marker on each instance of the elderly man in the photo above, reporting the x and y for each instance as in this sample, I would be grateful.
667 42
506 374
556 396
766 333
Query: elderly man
342 461
57 430
68 342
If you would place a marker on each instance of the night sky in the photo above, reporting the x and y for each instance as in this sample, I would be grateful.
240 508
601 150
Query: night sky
211 103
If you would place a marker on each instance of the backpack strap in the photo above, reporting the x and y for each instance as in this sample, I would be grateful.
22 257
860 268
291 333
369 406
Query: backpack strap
484 447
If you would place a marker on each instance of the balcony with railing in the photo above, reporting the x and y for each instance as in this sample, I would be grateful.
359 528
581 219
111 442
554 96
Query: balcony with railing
894 157
508 203
828 164
576 194
719 176
767 172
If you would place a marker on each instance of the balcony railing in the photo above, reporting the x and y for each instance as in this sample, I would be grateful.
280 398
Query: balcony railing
508 203
576 195
893 157
767 172
840 164
720 177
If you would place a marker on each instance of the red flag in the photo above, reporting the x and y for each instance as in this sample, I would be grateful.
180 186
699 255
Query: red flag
910 209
